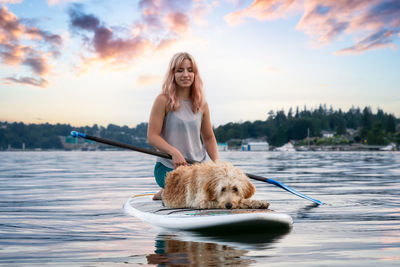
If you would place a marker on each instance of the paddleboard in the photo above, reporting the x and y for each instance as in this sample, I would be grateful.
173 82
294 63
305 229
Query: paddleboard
205 220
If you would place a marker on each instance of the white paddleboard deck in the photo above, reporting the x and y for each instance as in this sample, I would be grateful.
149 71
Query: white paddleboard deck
153 212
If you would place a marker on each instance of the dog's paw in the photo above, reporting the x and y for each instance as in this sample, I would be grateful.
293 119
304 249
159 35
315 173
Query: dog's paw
262 204
254 204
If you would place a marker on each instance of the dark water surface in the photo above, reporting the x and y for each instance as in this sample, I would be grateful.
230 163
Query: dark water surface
65 209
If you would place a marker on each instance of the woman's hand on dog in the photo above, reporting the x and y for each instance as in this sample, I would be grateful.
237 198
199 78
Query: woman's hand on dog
178 159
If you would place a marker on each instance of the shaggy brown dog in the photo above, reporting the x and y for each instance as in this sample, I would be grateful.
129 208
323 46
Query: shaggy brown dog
210 185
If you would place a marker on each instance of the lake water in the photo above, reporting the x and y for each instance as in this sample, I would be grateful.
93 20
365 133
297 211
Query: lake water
65 209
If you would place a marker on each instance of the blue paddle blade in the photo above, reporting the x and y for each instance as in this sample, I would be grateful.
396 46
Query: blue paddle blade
293 191
285 187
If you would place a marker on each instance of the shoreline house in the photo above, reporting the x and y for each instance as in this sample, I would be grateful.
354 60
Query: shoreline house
327 134
256 146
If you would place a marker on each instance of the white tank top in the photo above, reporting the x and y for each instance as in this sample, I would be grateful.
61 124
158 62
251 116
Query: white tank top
181 129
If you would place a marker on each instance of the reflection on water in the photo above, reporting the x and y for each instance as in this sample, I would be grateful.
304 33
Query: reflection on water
303 212
248 240
201 249
172 251
65 208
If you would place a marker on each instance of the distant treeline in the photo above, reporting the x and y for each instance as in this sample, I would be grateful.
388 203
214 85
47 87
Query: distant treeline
365 127
280 127
47 136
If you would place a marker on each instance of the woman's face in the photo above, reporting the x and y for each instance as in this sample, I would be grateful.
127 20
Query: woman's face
184 75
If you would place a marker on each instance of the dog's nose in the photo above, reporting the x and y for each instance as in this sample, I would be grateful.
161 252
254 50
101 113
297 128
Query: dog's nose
228 205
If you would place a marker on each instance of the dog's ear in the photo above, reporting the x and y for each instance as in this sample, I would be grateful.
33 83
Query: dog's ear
209 188
249 190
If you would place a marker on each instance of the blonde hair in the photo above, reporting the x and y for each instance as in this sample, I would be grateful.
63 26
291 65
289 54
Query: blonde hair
169 85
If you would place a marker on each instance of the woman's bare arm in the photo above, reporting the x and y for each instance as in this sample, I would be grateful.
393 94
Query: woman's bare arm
157 115
207 134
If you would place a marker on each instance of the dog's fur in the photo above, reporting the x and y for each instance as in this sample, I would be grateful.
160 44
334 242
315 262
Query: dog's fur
210 185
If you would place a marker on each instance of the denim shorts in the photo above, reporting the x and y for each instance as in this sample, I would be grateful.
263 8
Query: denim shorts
160 172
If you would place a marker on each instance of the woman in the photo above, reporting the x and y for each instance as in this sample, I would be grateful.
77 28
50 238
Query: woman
178 118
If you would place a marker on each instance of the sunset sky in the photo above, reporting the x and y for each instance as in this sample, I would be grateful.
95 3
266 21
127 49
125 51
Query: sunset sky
98 61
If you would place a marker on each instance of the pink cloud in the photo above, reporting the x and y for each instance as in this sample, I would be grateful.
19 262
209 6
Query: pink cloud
379 39
38 64
178 22
35 56
170 16
373 24
261 10
12 54
104 42
326 20
39 82
161 24
10 27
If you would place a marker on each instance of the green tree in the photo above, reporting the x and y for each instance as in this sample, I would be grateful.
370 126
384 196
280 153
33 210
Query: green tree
391 124
366 122
340 126
375 135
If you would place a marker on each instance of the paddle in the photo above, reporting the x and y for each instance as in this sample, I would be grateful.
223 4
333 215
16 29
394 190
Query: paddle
164 155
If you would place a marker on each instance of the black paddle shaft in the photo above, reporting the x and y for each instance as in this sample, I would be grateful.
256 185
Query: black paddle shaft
135 148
